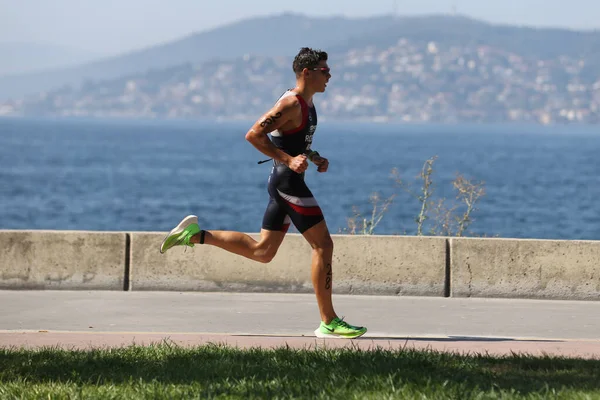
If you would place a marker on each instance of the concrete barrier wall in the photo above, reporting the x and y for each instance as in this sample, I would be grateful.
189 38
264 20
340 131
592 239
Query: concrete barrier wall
374 265
544 269
388 265
62 260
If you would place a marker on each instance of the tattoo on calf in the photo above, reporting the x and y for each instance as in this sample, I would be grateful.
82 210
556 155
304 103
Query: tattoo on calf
270 120
328 279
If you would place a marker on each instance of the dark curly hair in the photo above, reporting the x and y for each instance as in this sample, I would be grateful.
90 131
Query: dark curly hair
308 58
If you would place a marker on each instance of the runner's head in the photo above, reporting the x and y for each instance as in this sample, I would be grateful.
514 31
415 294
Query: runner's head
311 68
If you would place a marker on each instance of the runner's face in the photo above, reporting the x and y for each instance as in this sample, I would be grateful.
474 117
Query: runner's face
319 76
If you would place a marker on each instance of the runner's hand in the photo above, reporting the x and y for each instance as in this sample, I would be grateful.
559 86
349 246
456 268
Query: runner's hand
298 164
321 162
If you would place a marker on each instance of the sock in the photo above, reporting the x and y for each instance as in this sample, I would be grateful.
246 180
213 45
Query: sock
202 233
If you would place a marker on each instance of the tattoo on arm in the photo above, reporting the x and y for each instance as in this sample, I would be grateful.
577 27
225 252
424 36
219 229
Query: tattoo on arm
270 120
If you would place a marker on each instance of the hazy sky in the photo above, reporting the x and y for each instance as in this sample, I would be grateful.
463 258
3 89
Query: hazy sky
113 26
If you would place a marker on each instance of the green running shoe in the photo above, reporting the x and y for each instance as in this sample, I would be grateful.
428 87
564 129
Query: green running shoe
338 328
181 234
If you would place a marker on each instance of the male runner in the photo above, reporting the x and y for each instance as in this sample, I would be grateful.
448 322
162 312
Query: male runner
291 123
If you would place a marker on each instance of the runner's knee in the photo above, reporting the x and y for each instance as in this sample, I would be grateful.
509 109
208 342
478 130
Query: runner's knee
265 253
265 258
324 245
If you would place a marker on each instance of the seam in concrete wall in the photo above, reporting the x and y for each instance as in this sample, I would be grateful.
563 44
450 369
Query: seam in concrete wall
448 275
127 272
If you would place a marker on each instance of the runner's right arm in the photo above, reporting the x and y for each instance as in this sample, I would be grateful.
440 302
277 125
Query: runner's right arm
284 111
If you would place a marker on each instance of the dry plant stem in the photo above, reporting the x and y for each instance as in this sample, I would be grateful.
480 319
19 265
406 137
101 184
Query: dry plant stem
469 193
427 192
445 222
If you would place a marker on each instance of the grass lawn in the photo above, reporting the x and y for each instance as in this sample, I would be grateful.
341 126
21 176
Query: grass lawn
167 371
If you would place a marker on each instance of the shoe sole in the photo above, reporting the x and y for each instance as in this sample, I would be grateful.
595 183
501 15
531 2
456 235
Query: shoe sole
187 221
322 335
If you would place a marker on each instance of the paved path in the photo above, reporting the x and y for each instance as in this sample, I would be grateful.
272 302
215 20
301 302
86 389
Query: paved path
99 318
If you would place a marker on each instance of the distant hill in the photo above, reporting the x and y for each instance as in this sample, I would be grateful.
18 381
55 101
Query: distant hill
282 35
22 57
273 35
441 69
463 31
404 73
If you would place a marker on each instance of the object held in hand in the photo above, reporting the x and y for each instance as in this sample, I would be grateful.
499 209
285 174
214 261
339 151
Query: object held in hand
311 154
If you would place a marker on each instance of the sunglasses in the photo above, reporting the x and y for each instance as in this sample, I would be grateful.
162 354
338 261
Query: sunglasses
324 70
